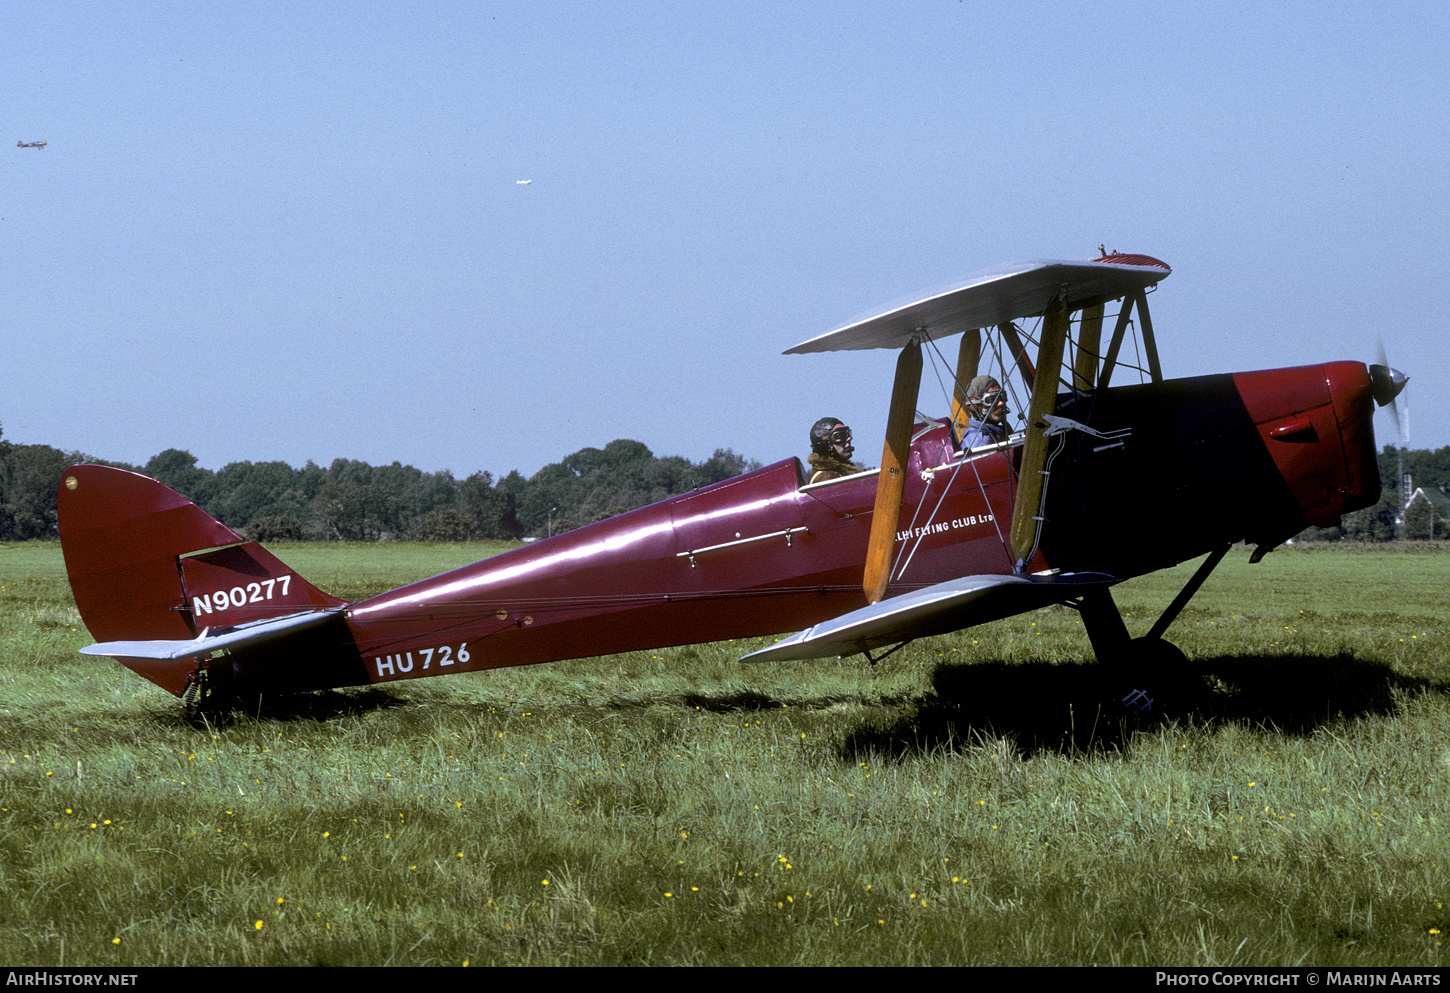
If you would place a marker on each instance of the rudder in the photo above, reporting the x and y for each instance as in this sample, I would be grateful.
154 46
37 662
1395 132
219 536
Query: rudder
145 563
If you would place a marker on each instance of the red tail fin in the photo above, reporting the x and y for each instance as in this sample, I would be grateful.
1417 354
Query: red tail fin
146 563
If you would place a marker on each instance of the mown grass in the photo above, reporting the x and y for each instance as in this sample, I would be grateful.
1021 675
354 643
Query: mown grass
970 800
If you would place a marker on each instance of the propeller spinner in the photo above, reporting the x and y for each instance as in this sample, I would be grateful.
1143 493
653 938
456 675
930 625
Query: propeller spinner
1386 383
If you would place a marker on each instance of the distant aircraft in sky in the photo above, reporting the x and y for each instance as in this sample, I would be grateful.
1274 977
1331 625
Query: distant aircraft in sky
30 144
523 182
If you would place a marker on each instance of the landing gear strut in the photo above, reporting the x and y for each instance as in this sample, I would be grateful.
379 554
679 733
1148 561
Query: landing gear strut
211 688
198 693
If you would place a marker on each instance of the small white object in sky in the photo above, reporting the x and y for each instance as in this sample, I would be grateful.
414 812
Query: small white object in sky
523 182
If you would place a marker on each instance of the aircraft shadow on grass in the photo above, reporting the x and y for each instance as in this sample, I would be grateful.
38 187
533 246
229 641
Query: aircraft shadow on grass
1036 707
1070 709
322 705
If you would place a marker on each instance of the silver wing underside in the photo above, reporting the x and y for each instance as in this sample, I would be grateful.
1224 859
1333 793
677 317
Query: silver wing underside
939 609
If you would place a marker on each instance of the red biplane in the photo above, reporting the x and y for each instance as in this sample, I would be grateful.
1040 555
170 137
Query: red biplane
1105 482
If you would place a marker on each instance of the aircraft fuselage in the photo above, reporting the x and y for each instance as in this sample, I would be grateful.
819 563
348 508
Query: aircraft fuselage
1137 478
1155 474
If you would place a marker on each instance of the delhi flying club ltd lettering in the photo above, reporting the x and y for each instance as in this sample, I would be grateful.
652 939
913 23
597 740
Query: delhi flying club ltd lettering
939 526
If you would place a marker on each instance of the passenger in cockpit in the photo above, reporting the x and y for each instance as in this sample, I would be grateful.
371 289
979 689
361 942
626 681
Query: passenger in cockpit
831 450
987 410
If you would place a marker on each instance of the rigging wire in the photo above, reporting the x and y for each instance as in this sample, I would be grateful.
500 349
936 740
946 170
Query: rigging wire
997 345
963 460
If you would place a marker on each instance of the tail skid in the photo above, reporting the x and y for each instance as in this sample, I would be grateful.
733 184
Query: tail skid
148 566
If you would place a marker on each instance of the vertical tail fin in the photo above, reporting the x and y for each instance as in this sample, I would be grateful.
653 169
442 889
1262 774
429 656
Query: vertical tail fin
145 563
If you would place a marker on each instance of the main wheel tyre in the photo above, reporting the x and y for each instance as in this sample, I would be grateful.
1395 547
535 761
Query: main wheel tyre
1146 673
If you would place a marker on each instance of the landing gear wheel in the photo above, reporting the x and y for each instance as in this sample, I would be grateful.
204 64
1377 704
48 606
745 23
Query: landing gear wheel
1145 674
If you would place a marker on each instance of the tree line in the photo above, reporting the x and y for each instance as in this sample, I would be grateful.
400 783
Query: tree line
351 500
354 501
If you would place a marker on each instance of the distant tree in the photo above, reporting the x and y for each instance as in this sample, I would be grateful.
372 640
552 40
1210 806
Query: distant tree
725 464
1320 534
388 498
554 486
490 507
29 475
516 488
178 470
594 483
1430 470
429 491
282 527
352 500
1375 523
246 491
309 480
448 524
345 505
670 475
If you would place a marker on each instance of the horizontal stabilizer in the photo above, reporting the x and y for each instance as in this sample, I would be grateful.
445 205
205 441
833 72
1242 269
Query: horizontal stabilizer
939 609
233 638
994 296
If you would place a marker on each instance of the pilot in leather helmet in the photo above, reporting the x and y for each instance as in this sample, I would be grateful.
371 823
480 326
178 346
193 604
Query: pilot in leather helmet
831 450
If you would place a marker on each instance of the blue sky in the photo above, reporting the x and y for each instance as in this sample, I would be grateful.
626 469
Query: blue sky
294 230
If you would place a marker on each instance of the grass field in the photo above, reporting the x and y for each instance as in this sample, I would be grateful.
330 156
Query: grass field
965 802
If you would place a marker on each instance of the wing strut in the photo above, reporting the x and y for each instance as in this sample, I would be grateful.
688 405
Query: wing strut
1150 343
1025 520
1090 336
1125 313
892 481
969 356
1019 352
1137 299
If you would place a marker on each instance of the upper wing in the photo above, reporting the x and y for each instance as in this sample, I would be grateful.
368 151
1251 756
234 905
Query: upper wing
948 606
994 296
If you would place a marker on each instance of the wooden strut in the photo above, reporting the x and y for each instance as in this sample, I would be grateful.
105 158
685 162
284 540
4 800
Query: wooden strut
1089 337
1120 330
969 356
1150 343
1018 351
1025 524
1138 299
892 481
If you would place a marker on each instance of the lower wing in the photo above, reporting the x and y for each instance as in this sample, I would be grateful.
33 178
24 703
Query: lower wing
939 609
